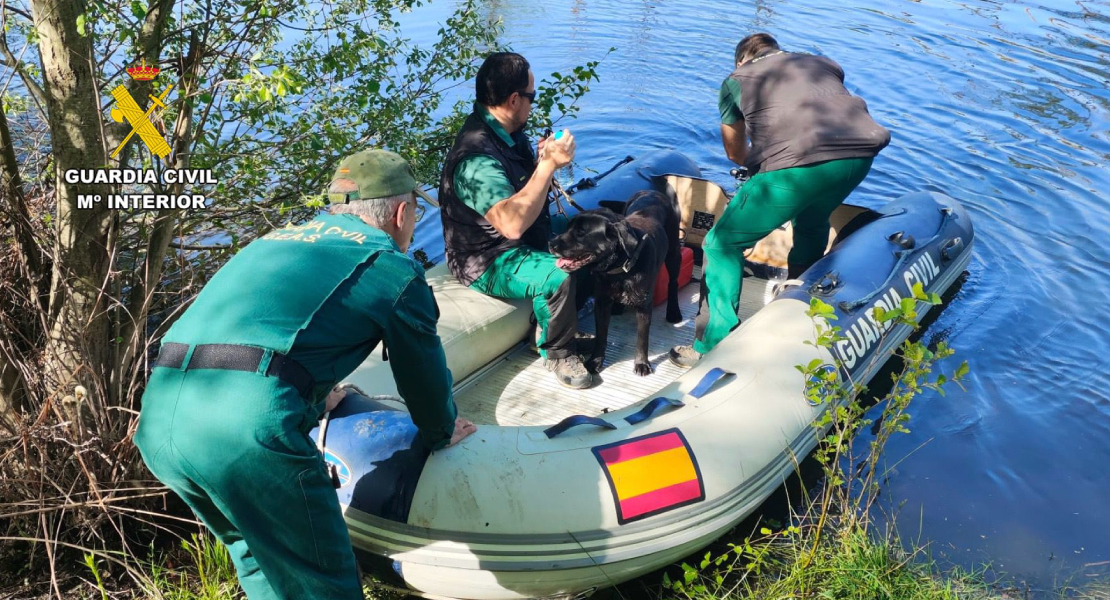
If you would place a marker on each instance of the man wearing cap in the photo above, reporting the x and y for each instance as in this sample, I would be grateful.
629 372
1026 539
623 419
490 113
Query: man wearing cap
245 374
494 207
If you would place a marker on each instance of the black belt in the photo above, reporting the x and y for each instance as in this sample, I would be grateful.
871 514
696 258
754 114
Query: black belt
233 357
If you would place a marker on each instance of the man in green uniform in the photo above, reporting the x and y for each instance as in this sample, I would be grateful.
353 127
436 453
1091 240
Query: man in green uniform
245 373
812 143
493 202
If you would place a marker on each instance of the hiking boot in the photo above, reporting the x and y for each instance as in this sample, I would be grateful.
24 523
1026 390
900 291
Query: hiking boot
684 356
570 371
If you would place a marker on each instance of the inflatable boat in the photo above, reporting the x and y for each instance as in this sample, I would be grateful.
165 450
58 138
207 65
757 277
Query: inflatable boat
562 492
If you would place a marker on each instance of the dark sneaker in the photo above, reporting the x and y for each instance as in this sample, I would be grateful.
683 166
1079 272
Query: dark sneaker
684 356
570 371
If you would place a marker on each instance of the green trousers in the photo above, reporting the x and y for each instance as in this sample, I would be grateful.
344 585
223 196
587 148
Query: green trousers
234 445
527 273
806 196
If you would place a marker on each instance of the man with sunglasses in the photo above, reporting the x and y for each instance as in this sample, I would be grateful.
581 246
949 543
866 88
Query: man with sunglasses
249 368
494 206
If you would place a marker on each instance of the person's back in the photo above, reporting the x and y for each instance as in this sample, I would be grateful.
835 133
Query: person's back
798 112
267 294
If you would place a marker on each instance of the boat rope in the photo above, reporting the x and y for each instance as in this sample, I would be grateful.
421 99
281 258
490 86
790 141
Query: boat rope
589 182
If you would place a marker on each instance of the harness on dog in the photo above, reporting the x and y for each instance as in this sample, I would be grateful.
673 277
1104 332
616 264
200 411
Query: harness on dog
628 264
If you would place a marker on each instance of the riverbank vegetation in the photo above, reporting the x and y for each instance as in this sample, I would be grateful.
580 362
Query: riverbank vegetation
267 96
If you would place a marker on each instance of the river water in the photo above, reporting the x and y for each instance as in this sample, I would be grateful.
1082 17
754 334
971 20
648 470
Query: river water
1002 105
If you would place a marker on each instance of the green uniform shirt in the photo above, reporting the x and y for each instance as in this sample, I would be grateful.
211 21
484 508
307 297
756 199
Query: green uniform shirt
337 337
728 102
480 180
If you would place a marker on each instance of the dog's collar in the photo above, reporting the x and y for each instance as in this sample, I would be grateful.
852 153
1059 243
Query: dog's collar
628 264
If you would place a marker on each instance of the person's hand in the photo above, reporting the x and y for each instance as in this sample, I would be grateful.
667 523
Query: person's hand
338 393
463 428
560 151
335 396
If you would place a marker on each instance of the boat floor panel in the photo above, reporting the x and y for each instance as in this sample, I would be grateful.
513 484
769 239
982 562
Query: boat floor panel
519 390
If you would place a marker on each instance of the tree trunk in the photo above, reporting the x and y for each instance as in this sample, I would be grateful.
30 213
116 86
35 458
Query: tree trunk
77 340
11 188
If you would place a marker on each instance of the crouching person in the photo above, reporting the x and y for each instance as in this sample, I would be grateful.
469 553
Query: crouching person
244 375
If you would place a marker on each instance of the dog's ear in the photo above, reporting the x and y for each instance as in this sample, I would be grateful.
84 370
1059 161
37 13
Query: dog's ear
625 238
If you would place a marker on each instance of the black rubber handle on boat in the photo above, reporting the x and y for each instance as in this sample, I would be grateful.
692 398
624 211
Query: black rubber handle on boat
573 421
649 410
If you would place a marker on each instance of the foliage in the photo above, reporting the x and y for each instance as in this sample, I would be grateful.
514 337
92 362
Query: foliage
267 94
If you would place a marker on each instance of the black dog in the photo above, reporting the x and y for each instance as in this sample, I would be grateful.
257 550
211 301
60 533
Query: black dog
624 255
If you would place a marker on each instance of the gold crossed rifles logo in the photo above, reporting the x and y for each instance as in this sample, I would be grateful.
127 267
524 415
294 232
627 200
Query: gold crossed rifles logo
140 121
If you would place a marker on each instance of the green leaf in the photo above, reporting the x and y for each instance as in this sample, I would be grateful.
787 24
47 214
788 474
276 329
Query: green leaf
961 371
918 291
81 25
764 531
889 315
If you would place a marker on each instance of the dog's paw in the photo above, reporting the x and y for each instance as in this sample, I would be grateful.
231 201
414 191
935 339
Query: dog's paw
642 369
674 316
595 363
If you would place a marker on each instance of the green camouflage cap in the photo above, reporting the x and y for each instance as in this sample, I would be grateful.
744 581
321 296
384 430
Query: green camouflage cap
378 174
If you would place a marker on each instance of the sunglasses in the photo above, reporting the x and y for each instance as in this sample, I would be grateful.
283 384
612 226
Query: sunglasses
531 96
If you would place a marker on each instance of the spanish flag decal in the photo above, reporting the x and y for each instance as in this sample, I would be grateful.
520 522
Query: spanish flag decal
651 474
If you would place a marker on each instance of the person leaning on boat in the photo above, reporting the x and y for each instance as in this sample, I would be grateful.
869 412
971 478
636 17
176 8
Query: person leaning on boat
812 143
494 207
249 368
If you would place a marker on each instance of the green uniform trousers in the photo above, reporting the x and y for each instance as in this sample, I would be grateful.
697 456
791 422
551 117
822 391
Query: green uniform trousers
806 195
234 445
523 272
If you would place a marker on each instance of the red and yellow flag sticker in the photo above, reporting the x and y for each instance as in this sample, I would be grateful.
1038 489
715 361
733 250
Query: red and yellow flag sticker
651 474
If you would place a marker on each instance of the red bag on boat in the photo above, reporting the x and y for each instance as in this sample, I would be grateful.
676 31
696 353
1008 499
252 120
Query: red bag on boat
685 274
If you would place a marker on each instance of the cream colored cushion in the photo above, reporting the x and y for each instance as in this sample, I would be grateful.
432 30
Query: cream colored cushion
474 329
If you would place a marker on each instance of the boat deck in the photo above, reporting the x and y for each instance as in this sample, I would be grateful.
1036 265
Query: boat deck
516 389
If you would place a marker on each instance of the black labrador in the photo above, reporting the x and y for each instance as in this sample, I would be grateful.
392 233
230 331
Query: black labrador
624 254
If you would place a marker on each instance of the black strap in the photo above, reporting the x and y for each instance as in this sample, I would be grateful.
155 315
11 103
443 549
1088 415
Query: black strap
235 357
632 258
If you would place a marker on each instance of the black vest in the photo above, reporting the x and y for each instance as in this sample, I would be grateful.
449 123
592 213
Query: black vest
797 112
472 244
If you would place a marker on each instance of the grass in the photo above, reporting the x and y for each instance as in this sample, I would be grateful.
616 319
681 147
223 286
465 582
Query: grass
201 569
796 564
